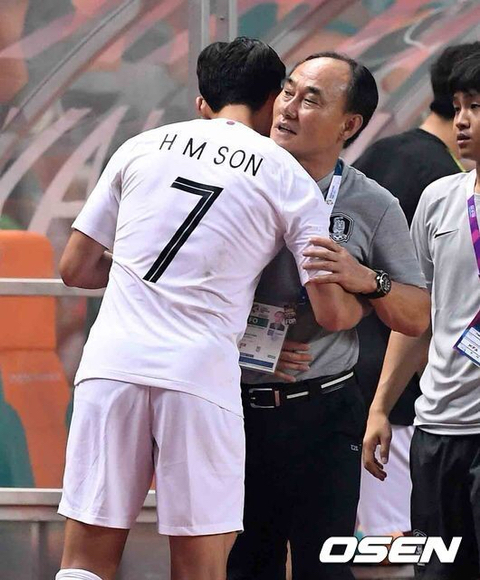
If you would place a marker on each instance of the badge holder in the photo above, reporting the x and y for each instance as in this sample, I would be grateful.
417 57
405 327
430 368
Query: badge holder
469 343
263 340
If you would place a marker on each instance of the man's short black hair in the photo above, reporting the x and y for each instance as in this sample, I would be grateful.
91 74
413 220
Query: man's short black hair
465 77
362 92
440 72
243 72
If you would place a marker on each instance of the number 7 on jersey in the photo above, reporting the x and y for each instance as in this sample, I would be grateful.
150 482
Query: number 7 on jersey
208 194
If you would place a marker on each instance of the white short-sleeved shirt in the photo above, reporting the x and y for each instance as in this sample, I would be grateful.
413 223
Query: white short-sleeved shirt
193 211
450 384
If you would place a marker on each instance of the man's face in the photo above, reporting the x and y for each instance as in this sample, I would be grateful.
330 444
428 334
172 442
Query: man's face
467 124
309 115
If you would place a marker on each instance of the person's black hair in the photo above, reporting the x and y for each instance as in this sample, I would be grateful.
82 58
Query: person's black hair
243 72
440 72
465 77
362 92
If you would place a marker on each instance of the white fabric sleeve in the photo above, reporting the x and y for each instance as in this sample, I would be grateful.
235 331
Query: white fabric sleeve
420 236
306 215
98 217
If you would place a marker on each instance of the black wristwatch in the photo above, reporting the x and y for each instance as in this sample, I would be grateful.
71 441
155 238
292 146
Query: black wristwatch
384 285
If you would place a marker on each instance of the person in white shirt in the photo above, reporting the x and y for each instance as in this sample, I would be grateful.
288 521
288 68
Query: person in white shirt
193 212
444 456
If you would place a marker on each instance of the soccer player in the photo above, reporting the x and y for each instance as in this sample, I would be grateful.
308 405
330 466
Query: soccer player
193 211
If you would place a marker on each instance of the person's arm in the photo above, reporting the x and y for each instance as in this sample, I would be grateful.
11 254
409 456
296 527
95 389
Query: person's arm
85 263
305 216
404 357
86 260
405 308
334 308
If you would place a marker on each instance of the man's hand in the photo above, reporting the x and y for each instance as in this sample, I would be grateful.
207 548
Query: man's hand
379 432
325 254
294 356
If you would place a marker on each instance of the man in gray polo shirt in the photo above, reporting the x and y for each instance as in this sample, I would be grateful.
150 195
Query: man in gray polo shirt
303 455
445 451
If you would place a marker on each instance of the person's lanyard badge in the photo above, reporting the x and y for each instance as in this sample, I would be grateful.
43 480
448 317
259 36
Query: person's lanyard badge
334 188
469 342
330 200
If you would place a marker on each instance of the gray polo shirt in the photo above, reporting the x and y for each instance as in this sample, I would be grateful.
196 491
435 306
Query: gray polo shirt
369 222
450 384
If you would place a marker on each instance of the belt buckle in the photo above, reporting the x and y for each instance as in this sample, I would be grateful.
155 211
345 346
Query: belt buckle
275 393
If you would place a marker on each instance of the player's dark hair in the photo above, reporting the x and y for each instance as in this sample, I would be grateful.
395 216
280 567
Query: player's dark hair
243 72
440 72
362 92
465 77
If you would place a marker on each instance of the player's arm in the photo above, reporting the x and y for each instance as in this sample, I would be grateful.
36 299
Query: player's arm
406 308
404 357
85 263
333 307
86 260
307 215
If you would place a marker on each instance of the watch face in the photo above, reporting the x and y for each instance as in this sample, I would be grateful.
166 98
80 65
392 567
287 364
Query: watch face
385 283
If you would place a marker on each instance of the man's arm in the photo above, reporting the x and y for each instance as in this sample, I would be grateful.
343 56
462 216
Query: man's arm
404 357
85 263
334 308
405 308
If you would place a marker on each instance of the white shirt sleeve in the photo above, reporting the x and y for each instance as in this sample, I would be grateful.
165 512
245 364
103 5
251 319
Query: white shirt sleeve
306 215
98 217
420 236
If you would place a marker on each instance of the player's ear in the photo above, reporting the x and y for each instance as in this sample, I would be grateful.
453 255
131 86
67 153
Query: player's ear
203 108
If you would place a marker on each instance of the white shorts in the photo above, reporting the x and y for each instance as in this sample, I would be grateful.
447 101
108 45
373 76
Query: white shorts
122 434
384 506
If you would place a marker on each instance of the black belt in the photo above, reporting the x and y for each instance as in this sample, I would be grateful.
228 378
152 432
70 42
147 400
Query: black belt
272 395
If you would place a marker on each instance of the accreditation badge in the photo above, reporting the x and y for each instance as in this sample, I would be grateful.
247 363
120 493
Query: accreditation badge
469 343
263 340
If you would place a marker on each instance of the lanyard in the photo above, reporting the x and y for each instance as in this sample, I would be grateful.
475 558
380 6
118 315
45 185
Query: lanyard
334 188
468 343
474 229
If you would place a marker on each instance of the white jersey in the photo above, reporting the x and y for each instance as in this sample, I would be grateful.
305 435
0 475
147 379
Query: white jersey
450 384
193 211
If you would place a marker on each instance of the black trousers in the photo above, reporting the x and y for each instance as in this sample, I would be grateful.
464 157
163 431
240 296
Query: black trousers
302 485
446 500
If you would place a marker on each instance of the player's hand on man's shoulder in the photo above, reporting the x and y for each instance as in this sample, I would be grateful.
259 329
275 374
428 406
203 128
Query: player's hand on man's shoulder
338 266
